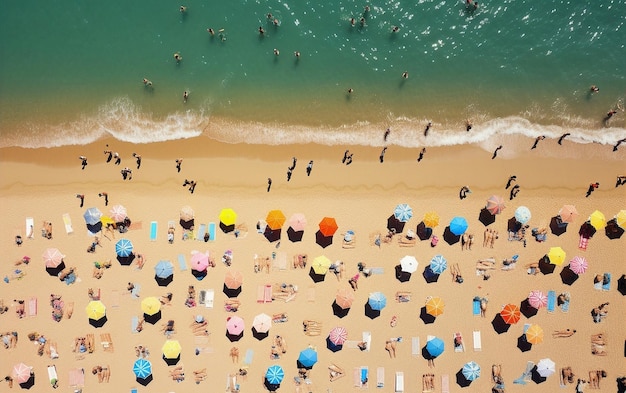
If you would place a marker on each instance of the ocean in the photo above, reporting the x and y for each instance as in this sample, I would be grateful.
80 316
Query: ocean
72 71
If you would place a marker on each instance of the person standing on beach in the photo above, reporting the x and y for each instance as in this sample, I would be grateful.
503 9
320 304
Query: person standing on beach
421 156
495 152
269 184
82 198
138 158
539 138
464 191
83 160
620 180
192 186
592 188
349 159
508 183
514 192
118 159
309 168
560 141
382 154
106 197
294 160
289 172
345 156
179 162
110 155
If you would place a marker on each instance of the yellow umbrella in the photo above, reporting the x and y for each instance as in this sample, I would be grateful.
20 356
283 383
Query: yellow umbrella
105 220
556 256
434 306
534 334
597 220
275 219
150 305
95 310
321 264
171 349
621 218
228 216
431 219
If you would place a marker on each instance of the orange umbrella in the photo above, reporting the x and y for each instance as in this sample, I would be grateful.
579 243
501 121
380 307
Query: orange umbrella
275 219
534 334
431 219
434 306
233 279
328 226
510 314
344 298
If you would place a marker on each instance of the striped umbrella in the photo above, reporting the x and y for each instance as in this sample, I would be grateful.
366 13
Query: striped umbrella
377 301
471 371
495 204
578 265
52 257
142 368
21 373
403 212
118 213
537 299
338 335
438 264
123 248
522 214
274 374
510 314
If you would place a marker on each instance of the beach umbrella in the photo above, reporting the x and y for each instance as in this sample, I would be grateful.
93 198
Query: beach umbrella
186 213
556 256
171 352
377 301
578 265
522 214
52 257
21 373
228 218
438 264
143 371
546 367
409 264
123 248
151 307
534 334
471 371
118 213
537 299
164 273
234 328
568 213
92 216
323 240
620 218
621 285
274 374
328 226
261 325
403 212
435 306
321 264
307 358
435 347
495 204
275 219
96 312
233 282
597 220
431 219
106 220
343 302
510 314
200 261
336 338
297 221
458 226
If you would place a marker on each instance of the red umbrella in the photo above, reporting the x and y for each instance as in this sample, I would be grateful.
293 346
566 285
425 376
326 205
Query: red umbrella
328 226
21 373
495 204
297 222
537 299
338 335
233 279
510 314
578 265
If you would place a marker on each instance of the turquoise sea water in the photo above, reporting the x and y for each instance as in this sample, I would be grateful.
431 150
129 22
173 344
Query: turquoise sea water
71 71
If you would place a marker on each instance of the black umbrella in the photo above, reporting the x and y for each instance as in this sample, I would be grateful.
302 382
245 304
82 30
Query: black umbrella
231 292
338 311
568 276
259 335
587 230
272 235
145 381
499 325
426 317
152 319
199 275
526 309
486 217
450 237
227 228
522 344
394 223
293 235
189 224
54 271
171 361
621 285
557 226
429 275
98 323
612 230
402 276
164 281
29 383
370 312
513 225
461 380
536 377
316 277
323 241
126 261
423 232
545 266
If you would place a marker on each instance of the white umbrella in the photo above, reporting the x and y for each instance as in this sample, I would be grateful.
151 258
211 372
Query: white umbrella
545 367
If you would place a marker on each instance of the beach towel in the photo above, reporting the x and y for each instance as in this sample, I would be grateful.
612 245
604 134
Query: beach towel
212 231
364 376
32 307
380 377
367 339
264 294
445 383
52 376
134 322
458 342
136 290
247 360
478 346
582 243
153 230
77 378
399 385
565 305
415 346
182 263
606 282
209 298
526 374
476 306
30 228
67 221
377 270
201 232
551 301
597 285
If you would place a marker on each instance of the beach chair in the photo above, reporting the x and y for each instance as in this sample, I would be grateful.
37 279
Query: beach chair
67 221
478 346
459 346
30 228
32 307
264 293
606 283
212 231
380 377
209 298
367 339
201 232
526 375
445 383
53 377
182 263
399 382
153 231
349 240
551 302
133 390
106 342
415 346
476 306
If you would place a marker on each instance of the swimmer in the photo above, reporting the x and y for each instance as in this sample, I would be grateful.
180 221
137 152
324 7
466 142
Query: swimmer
468 125
350 90
210 31
261 30
405 75
352 22
185 96
395 29
594 89
147 82
275 22
276 52
178 57
296 54
183 9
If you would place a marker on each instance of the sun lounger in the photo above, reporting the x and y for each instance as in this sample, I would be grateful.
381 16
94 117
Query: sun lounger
349 240
264 293
476 306
212 231
209 298
551 301
380 377
415 346
67 221
201 232
134 322
445 383
247 360
32 307
365 376
459 346
153 230
582 243
399 382
478 346
91 342
106 342
77 378
367 339
606 286
182 263
30 228
597 285
53 377
280 261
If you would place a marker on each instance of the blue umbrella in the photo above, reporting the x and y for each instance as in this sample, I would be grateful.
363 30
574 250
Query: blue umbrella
123 248
307 358
142 368
471 371
522 214
377 301
403 212
164 269
438 264
458 226
435 347
275 374
92 216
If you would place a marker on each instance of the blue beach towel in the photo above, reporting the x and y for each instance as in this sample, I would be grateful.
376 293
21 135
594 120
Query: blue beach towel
476 306
606 282
248 358
551 301
153 230
212 231
565 306
201 231
182 264
364 375
134 322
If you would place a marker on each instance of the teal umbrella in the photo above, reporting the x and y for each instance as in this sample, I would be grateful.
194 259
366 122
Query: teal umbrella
307 358
142 368
403 212
438 264
275 374
471 371
123 248
377 301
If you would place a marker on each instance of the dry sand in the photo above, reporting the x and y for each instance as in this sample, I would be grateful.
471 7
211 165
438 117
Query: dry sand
43 183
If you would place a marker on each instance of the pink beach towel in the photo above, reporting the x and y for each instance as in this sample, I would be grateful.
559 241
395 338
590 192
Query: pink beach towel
32 307
77 377
582 244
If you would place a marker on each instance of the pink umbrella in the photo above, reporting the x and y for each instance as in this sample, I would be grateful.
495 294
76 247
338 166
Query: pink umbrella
568 213
21 373
199 261
52 257
495 204
235 325
297 222
338 335
537 299
578 265
118 213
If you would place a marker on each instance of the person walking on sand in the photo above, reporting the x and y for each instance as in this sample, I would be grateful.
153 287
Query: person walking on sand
508 183
289 172
192 186
118 159
382 154
560 141
83 160
463 192
294 160
269 184
179 162
309 168
349 159
618 143
82 198
106 197
514 192
138 158
345 156
495 152
109 154
620 181
592 188
421 156
539 138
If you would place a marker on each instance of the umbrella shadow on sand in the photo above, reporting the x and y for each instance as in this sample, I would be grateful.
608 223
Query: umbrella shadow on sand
612 230
461 380
557 226
523 344
526 309
545 266
401 275
536 377
338 311
499 325
429 275
370 312
485 217
568 277
423 232
426 317
450 237
394 223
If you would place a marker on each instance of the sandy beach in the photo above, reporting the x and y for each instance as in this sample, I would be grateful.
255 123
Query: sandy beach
43 183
